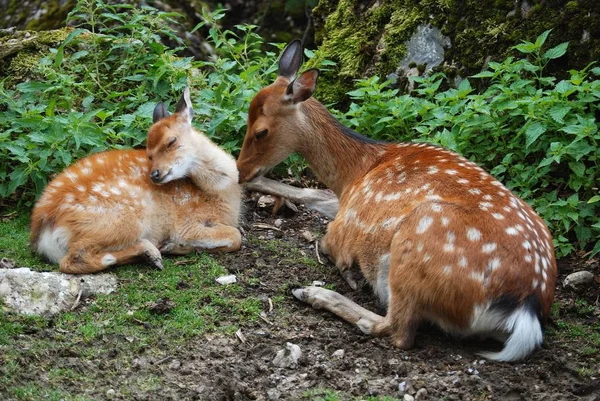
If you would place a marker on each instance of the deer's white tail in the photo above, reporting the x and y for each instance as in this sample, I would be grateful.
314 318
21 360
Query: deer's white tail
526 335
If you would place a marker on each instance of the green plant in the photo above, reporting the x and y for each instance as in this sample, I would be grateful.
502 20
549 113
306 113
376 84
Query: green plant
535 133
97 90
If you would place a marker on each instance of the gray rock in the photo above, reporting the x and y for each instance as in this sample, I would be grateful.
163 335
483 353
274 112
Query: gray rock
421 395
339 354
288 357
578 279
47 293
273 394
408 397
426 46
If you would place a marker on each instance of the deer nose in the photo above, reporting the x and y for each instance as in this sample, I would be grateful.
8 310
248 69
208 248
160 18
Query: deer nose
154 176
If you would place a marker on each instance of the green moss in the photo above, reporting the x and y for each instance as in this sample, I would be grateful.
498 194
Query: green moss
22 51
366 39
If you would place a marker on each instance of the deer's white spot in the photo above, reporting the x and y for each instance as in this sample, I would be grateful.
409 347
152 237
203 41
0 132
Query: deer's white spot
424 224
511 231
489 247
473 234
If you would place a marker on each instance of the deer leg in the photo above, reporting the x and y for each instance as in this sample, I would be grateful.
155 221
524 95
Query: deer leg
83 260
344 265
211 238
319 200
322 298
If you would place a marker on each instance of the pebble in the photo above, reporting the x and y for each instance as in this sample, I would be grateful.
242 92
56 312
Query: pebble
110 393
224 280
578 279
408 397
318 283
277 223
273 394
339 353
307 235
421 395
175 364
288 357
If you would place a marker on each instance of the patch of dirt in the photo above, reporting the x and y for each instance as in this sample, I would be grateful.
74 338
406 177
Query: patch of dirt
225 368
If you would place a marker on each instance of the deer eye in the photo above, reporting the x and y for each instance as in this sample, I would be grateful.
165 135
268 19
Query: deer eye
171 142
262 133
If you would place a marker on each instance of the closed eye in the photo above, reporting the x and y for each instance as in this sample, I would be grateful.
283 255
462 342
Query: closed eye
171 142
262 133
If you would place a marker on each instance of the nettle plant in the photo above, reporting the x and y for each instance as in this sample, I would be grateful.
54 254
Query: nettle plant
98 89
537 134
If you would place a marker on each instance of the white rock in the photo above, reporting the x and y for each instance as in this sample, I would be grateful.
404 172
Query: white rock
421 395
288 357
339 354
277 223
318 283
224 280
308 236
578 279
408 397
266 201
47 293
110 393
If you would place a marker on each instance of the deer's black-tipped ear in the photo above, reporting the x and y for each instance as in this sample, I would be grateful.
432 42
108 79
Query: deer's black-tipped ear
303 87
291 60
184 105
160 112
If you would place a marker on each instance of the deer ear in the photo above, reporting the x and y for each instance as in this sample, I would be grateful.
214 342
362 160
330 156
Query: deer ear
303 87
160 112
291 60
184 105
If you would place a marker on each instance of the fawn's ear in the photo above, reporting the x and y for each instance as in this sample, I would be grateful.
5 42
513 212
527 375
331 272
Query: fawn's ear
160 112
303 87
290 60
184 105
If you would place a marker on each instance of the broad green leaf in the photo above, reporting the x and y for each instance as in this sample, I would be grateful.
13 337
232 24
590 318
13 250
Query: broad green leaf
539 42
557 51
594 199
559 112
533 132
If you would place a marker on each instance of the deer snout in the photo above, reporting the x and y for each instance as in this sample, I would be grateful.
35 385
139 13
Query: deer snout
155 175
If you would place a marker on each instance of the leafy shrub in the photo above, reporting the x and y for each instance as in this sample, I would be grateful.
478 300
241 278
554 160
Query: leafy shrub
97 90
535 134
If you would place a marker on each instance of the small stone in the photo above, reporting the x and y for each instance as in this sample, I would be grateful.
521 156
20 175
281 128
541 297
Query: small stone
273 394
288 357
175 364
408 397
110 393
339 354
578 279
421 394
277 223
307 235
225 280
402 387
317 283
266 201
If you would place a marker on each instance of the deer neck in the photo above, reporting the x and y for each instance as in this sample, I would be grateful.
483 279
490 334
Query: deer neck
337 155
213 170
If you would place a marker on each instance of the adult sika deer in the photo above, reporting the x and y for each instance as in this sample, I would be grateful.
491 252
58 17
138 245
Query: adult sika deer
125 206
438 238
